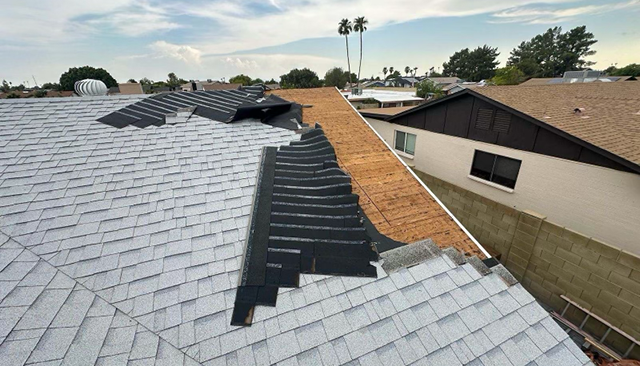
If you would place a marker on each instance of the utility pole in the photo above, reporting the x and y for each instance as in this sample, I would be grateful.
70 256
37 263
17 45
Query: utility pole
34 80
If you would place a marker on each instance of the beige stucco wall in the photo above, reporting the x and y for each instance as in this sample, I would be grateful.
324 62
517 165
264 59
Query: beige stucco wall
598 202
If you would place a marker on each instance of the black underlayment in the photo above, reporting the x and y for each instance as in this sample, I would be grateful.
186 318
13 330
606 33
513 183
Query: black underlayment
304 220
219 105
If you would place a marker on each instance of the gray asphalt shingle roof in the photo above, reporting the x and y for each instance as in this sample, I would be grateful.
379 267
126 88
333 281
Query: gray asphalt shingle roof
124 246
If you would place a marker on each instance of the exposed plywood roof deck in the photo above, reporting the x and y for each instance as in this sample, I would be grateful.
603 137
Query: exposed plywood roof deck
390 196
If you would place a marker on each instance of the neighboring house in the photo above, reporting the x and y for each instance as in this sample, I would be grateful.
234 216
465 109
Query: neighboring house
130 88
209 85
572 77
456 87
445 80
123 235
373 83
570 152
372 98
406 81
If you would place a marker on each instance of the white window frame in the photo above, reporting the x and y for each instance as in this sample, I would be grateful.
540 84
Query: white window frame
404 147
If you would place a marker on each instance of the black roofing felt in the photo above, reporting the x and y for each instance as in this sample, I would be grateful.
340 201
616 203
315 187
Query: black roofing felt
220 105
305 219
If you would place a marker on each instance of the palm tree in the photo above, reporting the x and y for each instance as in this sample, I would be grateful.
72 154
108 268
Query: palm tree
344 29
415 70
360 25
406 70
385 71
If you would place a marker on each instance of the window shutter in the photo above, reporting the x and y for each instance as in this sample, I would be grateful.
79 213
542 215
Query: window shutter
502 122
483 119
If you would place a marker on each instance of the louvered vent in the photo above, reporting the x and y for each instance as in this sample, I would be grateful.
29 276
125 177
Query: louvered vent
483 120
502 122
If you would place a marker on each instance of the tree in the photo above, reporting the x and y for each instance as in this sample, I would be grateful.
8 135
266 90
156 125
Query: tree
509 75
132 81
146 81
40 93
257 81
415 70
51 86
344 29
473 65
336 77
360 25
272 81
428 89
385 71
5 86
407 69
300 78
629 70
391 72
173 81
552 53
241 79
69 78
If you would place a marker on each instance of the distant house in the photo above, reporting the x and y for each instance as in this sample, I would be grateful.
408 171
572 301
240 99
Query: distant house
130 88
407 81
381 98
446 80
577 77
209 85
373 84
456 87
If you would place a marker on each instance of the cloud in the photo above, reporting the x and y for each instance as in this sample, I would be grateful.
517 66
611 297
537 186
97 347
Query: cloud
136 24
242 25
550 16
185 53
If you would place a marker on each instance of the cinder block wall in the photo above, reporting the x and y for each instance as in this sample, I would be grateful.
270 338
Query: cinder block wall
550 260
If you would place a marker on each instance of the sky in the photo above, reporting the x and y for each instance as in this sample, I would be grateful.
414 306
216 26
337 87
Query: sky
214 39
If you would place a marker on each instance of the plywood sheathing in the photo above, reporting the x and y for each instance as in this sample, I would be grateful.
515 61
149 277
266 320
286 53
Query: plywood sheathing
390 196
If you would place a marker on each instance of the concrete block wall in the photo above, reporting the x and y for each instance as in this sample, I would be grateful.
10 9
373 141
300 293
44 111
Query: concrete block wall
551 260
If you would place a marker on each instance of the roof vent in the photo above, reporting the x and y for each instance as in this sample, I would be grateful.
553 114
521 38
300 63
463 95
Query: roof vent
578 111
90 87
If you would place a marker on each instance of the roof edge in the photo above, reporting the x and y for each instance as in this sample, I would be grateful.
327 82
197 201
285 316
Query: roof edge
464 229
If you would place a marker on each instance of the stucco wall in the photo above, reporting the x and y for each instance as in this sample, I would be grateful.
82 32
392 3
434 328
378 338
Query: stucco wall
598 202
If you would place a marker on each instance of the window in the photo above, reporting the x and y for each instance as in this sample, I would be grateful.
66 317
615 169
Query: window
495 168
406 142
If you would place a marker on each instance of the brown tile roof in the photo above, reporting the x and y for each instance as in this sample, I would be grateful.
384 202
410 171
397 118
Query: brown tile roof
391 197
610 121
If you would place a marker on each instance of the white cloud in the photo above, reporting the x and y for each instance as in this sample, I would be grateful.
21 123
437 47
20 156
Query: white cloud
240 28
554 16
185 53
136 24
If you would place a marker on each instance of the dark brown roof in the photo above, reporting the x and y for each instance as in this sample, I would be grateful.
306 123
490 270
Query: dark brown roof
611 117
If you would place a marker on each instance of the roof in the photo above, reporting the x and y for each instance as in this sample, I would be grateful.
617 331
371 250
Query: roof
445 79
392 198
545 81
130 88
391 111
610 121
221 86
383 96
122 245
